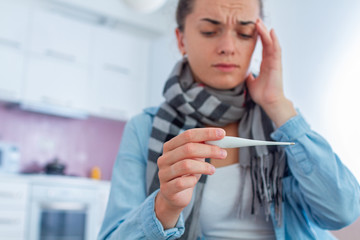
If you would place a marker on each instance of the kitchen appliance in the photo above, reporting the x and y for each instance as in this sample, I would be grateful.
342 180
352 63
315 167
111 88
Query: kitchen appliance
9 158
55 167
63 210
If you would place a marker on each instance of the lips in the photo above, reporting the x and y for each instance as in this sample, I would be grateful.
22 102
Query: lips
226 67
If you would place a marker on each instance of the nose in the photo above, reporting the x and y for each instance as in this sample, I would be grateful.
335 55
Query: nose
226 44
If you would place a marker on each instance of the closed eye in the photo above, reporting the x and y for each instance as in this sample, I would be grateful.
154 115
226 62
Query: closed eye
208 34
246 36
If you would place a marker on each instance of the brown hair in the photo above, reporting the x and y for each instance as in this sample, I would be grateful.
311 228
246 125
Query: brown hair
185 7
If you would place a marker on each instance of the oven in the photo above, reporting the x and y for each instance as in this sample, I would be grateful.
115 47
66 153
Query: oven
63 213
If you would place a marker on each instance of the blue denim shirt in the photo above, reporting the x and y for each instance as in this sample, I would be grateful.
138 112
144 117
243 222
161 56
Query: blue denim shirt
320 194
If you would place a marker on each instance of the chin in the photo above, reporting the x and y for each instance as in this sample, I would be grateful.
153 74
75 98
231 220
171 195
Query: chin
225 84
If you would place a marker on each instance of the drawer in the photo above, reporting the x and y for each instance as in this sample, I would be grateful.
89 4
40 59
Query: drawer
13 195
12 235
56 193
12 223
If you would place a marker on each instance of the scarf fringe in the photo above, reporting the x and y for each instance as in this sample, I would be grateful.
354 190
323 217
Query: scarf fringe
266 173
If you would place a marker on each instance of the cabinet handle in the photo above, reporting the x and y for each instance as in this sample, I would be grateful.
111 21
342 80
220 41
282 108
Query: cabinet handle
60 55
113 110
7 93
8 221
10 43
117 69
53 101
9 195
64 206
119 114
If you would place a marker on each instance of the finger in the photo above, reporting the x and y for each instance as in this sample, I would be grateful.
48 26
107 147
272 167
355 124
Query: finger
250 78
251 81
275 40
267 40
179 184
190 151
194 135
264 35
184 168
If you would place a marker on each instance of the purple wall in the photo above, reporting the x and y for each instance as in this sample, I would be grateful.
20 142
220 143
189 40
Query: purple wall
349 232
80 144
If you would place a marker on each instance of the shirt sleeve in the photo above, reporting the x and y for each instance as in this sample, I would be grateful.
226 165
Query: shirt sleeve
320 184
130 213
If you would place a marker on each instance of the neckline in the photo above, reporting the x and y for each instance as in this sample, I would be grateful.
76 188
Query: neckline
230 166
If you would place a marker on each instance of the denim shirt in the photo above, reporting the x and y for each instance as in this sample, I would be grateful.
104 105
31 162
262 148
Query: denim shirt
320 194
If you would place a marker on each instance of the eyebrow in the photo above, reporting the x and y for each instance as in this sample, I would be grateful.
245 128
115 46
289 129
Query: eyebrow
216 22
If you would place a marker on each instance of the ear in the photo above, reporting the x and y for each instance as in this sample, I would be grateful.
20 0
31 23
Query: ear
180 41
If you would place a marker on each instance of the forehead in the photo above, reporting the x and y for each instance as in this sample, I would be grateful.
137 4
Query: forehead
226 10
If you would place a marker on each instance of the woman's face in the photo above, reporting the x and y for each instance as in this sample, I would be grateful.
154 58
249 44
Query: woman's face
219 38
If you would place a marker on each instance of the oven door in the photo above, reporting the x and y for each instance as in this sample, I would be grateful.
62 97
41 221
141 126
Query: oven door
63 221
62 214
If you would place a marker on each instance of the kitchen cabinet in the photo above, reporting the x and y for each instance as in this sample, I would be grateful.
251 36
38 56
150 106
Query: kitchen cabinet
56 35
59 59
118 82
56 83
57 71
13 31
11 73
156 22
13 210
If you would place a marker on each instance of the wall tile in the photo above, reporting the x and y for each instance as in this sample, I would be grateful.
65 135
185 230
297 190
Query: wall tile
80 144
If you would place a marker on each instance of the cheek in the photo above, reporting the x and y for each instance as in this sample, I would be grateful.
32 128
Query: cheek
245 51
200 54
199 47
247 45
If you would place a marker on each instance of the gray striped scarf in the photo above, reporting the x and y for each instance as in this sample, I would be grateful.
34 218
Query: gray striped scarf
192 105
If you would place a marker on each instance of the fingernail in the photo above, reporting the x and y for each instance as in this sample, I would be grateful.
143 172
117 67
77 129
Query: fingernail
220 132
223 153
213 169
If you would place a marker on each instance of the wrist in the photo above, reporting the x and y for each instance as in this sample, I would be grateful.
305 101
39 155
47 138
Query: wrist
167 214
280 111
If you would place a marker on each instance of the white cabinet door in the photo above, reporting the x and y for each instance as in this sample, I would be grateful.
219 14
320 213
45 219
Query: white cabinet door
119 74
14 18
56 74
13 209
56 83
11 74
60 36
12 224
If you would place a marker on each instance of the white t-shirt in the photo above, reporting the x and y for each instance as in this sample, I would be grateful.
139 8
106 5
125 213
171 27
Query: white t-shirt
225 215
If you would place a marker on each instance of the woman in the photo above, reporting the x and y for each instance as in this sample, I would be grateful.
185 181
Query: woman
161 188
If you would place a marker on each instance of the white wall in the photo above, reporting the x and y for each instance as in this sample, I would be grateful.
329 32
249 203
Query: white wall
320 43
164 54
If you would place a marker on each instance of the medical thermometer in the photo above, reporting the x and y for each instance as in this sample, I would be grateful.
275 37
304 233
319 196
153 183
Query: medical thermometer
236 142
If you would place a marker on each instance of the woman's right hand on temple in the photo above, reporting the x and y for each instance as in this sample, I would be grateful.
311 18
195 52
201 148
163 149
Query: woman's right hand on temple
180 168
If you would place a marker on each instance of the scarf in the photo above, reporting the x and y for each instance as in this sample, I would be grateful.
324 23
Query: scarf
191 105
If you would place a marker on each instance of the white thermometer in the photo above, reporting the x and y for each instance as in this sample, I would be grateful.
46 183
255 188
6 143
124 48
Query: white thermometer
236 142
